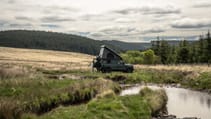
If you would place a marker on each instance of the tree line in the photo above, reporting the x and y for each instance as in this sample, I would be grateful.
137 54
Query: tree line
162 52
51 41
185 52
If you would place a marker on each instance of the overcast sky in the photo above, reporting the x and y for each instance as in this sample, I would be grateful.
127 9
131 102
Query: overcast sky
125 20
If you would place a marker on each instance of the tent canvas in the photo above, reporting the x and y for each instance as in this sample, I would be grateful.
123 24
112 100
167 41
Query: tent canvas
107 53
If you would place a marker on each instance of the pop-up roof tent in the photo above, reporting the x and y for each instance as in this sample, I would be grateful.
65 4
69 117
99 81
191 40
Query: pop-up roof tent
108 54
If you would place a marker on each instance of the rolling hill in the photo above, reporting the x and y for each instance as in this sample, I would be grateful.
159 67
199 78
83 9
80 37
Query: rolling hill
51 41
66 42
129 46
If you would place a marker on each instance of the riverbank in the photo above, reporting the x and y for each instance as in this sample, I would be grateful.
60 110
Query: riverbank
37 91
185 79
32 92
200 81
111 106
181 102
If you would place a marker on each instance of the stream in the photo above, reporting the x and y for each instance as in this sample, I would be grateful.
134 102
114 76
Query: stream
181 102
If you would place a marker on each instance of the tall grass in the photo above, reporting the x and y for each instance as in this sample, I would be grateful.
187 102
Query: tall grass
10 109
111 106
38 95
198 68
12 72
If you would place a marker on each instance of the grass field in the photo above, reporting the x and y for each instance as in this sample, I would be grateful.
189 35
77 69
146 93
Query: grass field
181 67
44 58
57 60
33 82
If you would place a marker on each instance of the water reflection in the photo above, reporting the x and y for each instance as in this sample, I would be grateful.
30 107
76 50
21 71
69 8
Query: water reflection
182 102
209 103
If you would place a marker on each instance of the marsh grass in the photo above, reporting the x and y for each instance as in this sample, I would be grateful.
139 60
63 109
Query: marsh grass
198 68
10 109
202 82
13 72
39 95
148 76
189 79
113 107
110 106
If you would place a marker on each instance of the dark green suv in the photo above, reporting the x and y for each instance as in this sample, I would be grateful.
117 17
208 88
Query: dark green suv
108 61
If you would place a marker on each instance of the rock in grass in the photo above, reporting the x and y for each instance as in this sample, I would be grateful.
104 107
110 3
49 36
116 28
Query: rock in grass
157 99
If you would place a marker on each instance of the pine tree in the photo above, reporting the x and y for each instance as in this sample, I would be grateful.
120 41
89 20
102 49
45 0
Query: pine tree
156 46
164 51
172 55
183 52
208 48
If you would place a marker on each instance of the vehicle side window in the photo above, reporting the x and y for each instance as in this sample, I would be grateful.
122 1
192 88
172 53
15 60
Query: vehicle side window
109 57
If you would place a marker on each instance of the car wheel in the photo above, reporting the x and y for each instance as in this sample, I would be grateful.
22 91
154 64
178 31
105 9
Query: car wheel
129 70
106 70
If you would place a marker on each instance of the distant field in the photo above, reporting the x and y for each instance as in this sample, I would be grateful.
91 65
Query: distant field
181 67
58 60
46 59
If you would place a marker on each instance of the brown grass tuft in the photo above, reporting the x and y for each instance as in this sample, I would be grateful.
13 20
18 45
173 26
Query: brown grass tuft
10 110
12 72
157 99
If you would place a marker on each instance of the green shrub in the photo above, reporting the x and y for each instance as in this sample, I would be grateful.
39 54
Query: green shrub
137 57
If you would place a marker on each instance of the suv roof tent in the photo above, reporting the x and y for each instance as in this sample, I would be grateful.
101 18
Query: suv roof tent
107 53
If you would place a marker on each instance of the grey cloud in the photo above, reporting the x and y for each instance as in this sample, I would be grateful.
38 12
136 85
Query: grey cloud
22 18
167 10
186 26
129 31
189 38
202 5
113 32
17 25
188 23
97 34
118 30
50 25
2 23
124 20
58 9
83 33
50 19
96 17
153 30
89 17
149 10
9 1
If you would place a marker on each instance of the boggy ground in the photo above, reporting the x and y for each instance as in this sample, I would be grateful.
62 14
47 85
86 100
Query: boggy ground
29 94
32 92
187 79
110 106
36 82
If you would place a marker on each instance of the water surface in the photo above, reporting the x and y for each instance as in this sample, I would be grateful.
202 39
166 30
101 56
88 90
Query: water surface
182 102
